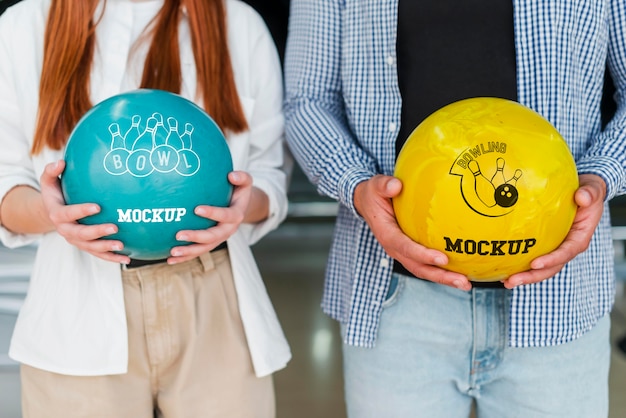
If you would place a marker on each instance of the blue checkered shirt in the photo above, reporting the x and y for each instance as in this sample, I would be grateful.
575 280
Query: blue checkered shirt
343 116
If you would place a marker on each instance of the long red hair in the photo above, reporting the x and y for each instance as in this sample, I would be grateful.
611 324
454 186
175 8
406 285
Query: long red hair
68 52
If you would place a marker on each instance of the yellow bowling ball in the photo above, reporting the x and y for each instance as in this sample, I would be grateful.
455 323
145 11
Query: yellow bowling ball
490 183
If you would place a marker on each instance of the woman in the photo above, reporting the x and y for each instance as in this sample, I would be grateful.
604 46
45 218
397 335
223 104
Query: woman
99 334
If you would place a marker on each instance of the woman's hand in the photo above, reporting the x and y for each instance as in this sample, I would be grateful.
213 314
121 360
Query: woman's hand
228 219
590 200
372 199
65 219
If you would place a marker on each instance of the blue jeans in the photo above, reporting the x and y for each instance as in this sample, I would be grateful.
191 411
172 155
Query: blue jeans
439 349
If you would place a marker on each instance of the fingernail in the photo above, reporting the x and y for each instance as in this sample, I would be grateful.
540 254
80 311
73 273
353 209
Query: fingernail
460 284
586 194
439 260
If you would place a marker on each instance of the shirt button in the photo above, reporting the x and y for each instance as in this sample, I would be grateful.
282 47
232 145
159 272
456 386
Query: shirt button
390 60
392 127
384 262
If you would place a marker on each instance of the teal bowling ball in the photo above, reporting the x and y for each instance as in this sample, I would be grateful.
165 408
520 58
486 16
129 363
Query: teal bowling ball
148 158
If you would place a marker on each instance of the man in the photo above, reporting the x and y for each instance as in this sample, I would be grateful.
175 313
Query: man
421 340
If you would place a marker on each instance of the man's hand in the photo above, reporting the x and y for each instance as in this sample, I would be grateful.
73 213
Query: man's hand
590 200
372 199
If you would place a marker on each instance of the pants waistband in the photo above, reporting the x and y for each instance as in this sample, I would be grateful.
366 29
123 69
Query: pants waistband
134 263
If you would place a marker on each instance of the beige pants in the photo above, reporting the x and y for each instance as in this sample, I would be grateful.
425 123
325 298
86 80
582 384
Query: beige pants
188 354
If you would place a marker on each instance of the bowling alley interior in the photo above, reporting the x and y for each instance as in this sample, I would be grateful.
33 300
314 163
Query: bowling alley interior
292 260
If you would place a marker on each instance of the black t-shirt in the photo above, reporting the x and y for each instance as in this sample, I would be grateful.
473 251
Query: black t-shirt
449 50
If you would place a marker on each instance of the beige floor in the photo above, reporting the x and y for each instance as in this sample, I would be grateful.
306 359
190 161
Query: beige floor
292 260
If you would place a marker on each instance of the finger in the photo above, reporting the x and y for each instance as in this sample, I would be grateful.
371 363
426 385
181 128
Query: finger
79 232
101 247
98 247
188 252
211 236
113 257
405 248
219 214
241 199
569 249
50 184
576 241
72 213
387 186
53 170
426 263
177 260
239 178
441 276
593 185
531 276
49 180
242 192
583 197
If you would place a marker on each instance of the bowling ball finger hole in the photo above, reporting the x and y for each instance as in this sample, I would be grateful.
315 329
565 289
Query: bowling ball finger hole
506 195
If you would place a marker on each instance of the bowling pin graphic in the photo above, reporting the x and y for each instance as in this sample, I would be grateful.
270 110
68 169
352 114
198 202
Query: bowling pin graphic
159 130
115 160
482 186
147 138
117 140
186 136
189 163
165 156
133 132
498 177
173 137
513 180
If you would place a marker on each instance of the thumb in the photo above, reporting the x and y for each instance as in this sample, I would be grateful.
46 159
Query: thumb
55 169
390 186
584 196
